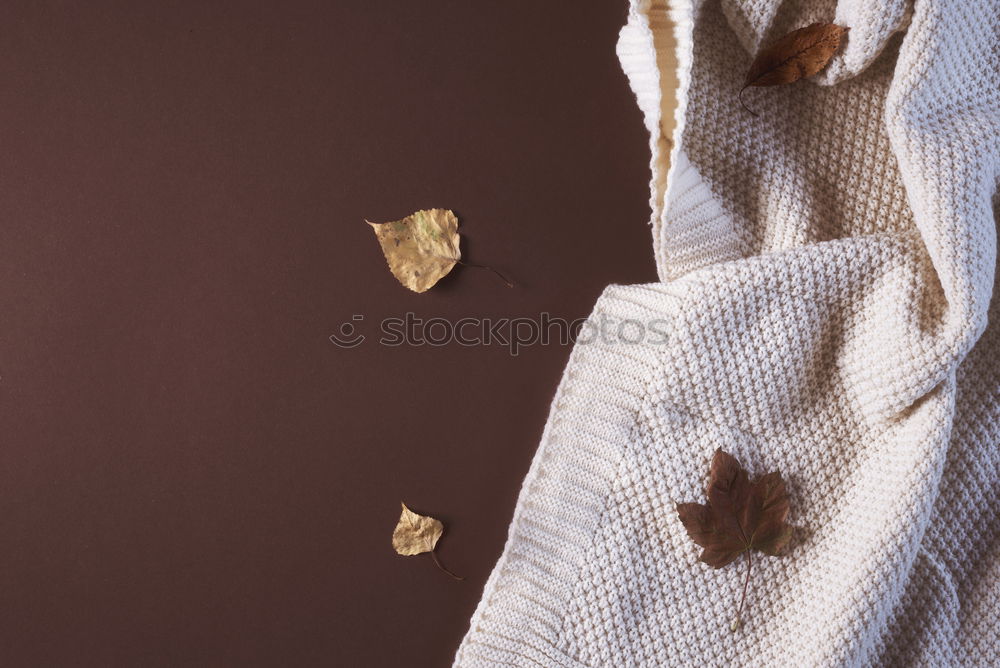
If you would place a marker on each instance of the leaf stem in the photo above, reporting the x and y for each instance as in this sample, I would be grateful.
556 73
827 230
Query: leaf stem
746 585
438 564
483 266
754 113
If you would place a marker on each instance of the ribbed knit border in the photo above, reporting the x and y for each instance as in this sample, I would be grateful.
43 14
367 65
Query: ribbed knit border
564 496
637 52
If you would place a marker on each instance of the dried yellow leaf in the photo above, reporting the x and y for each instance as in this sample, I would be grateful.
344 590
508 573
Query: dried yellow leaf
422 248
415 534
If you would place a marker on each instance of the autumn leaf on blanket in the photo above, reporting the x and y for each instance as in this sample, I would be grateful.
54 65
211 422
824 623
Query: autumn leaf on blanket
739 517
799 54
418 534
422 248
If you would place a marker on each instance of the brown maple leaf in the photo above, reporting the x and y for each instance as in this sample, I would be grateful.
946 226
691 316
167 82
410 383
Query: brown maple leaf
739 517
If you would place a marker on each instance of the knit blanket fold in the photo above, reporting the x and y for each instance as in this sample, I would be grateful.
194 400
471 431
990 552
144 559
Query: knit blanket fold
827 308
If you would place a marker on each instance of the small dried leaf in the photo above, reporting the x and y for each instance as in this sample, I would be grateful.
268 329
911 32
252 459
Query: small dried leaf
416 534
799 54
422 248
740 516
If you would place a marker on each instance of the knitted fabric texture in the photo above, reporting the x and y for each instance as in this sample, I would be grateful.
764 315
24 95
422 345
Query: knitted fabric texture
825 308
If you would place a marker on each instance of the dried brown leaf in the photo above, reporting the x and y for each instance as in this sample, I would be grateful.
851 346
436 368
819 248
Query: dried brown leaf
740 516
417 534
799 54
422 248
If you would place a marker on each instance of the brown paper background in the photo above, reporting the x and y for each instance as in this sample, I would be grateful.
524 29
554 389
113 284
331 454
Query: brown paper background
190 472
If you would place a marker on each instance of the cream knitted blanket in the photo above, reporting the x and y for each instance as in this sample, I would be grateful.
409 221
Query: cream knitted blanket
826 270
